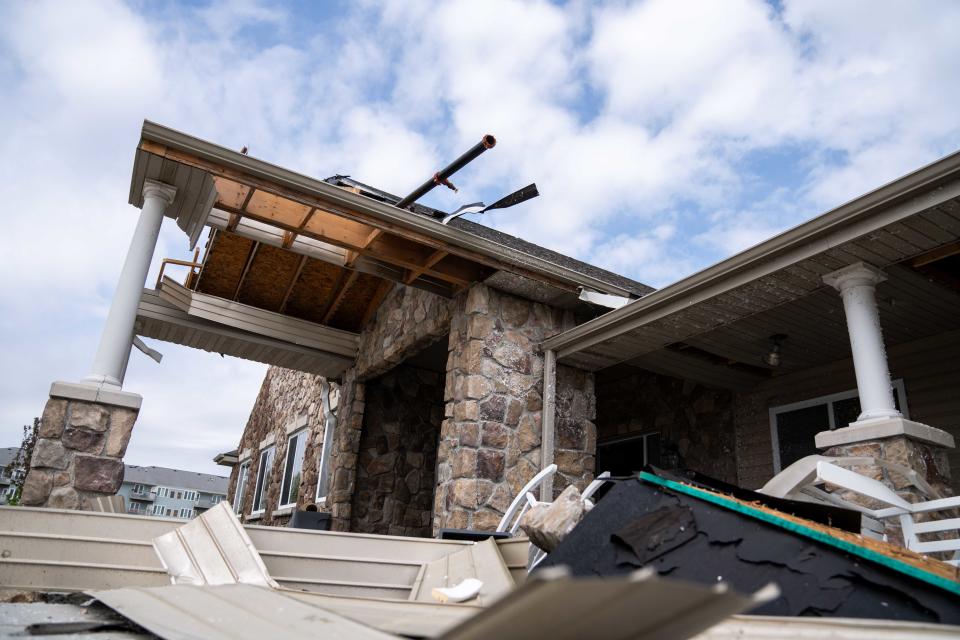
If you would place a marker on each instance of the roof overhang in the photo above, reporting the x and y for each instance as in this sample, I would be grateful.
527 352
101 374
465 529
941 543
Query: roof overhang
913 216
208 175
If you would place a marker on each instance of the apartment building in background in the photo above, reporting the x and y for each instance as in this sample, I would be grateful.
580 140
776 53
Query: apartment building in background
171 493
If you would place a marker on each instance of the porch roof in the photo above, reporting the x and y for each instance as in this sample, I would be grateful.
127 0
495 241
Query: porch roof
321 253
715 326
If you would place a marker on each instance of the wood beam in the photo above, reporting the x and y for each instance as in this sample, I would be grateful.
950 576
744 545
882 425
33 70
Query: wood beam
376 301
246 268
382 246
339 296
353 255
434 258
293 283
933 255
344 212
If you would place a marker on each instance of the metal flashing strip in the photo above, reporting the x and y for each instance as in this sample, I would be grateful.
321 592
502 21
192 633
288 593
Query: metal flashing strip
808 532
228 612
638 606
210 550
373 211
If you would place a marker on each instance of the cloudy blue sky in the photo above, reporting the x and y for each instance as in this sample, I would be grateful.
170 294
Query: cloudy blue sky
664 135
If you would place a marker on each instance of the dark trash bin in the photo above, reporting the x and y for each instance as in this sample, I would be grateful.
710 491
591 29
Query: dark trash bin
316 520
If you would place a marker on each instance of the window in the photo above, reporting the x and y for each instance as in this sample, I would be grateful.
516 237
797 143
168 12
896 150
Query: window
139 488
241 486
794 426
329 425
161 492
629 455
190 495
186 512
260 493
158 510
292 470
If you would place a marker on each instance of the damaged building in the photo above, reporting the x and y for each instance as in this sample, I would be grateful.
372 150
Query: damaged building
422 372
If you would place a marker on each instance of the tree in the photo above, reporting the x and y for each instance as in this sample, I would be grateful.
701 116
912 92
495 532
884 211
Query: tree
21 464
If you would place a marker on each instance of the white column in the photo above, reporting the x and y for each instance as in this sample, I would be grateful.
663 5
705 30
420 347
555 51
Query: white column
110 363
857 284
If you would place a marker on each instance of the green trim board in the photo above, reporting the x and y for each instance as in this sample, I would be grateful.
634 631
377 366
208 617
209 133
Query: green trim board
808 532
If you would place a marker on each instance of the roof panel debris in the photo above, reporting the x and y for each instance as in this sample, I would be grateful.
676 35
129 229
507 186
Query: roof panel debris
694 533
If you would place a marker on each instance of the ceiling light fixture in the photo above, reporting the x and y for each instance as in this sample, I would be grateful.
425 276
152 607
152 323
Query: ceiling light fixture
773 356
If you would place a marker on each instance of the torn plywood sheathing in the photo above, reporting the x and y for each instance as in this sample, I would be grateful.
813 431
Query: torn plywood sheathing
230 612
480 560
212 549
638 606
816 576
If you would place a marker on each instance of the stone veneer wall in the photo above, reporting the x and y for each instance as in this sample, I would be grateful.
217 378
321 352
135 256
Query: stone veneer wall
78 454
929 461
398 453
284 396
407 321
696 419
490 438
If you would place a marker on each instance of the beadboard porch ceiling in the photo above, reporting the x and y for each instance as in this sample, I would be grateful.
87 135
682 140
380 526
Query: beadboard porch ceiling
715 326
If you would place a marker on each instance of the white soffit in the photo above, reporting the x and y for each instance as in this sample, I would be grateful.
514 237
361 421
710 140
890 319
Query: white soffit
259 321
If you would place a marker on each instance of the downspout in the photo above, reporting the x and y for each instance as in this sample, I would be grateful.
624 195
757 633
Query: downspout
548 420
329 426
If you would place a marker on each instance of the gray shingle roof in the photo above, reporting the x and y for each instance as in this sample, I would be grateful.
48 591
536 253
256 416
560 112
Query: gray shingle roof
176 478
617 280
7 455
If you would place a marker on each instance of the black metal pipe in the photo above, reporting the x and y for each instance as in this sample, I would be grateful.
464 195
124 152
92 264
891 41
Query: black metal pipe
440 177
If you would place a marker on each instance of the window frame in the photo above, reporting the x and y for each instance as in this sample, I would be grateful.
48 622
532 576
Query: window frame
330 420
628 437
294 439
260 487
242 476
828 400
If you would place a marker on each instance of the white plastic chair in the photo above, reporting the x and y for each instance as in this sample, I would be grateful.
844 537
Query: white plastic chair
799 482
511 518
897 507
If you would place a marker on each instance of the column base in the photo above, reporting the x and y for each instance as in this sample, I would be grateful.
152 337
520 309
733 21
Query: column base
101 393
866 430
897 441
80 445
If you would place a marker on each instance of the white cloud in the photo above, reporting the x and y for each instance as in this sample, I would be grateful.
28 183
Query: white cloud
642 124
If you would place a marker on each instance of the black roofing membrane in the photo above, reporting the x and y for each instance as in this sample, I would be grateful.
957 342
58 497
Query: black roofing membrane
638 524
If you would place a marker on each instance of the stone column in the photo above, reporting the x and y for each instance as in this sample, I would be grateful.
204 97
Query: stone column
490 440
880 431
86 426
79 450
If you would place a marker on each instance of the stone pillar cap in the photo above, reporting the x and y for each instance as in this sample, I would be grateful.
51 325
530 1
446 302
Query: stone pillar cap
884 428
96 393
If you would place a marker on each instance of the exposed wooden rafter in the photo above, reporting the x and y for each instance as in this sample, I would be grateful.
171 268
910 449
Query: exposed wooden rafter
344 287
435 257
349 215
353 255
376 301
246 268
373 243
293 283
